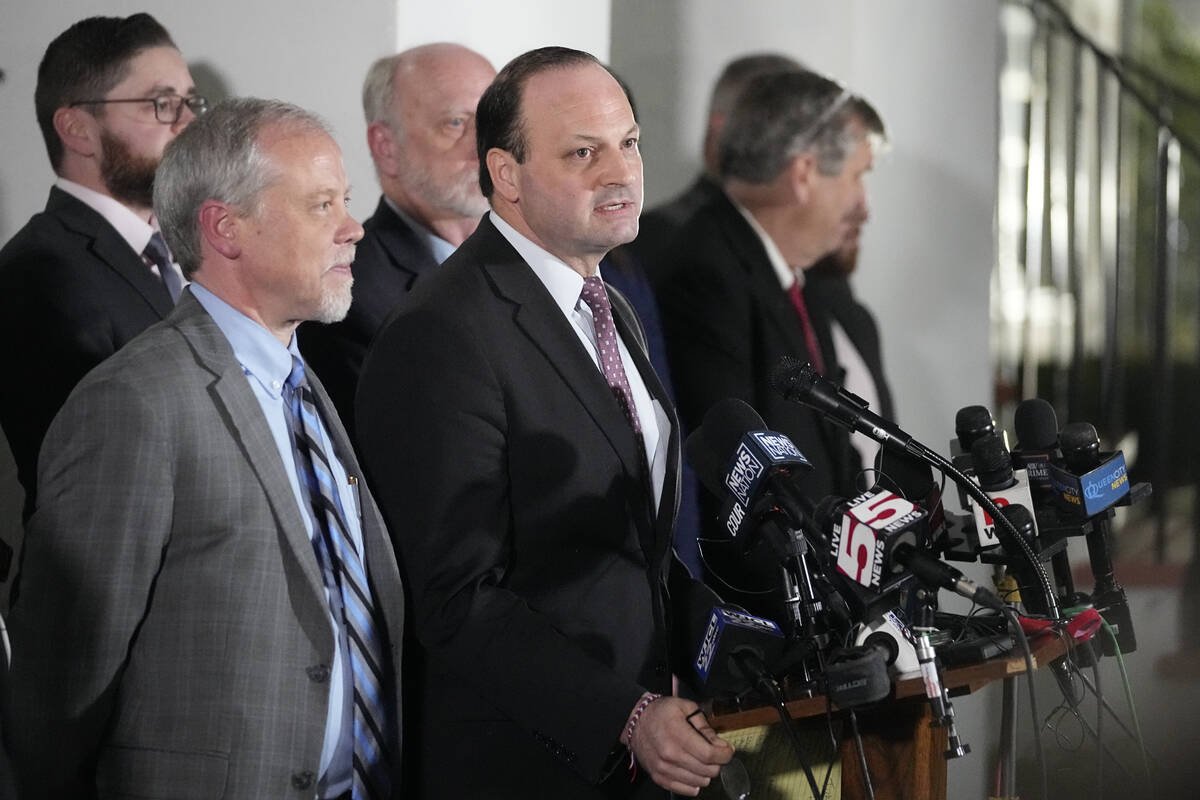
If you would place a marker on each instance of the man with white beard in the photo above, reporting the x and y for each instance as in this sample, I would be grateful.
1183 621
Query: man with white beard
420 111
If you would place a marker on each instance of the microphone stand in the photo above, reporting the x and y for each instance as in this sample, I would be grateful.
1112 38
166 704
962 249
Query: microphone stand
935 690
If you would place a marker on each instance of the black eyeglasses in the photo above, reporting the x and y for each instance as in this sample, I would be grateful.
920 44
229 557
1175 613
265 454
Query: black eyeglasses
168 108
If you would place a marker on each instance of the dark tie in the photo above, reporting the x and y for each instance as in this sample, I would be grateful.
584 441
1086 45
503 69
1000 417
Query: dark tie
610 354
339 557
157 254
796 295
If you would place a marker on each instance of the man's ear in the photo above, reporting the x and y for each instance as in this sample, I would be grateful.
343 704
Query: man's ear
802 171
220 228
505 172
381 141
78 131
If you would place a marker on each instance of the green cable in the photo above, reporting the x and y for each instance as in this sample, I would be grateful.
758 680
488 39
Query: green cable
1137 725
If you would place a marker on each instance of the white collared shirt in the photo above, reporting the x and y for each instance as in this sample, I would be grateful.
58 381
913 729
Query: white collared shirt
133 229
858 376
565 286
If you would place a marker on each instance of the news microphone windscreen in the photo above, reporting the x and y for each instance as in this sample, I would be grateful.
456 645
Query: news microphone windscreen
971 423
993 465
791 375
709 447
1080 446
1036 425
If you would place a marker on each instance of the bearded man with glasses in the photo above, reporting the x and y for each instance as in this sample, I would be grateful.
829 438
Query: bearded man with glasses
90 272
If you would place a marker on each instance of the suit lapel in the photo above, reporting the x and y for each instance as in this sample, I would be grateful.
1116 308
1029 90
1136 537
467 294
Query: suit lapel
541 320
108 246
235 399
406 252
668 505
761 277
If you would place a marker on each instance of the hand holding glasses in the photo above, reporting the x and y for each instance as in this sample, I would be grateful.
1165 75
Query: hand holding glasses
734 778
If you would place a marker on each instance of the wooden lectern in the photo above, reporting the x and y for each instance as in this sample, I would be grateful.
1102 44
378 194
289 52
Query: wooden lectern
904 752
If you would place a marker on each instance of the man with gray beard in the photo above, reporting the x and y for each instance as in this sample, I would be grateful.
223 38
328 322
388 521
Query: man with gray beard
209 598
420 111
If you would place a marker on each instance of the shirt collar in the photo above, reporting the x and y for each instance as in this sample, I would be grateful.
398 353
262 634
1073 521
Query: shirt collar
261 355
783 271
563 283
132 228
439 247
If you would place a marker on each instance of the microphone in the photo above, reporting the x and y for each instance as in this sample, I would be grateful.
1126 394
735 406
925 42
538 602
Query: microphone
972 423
1036 426
798 382
1081 453
937 575
734 639
997 478
762 461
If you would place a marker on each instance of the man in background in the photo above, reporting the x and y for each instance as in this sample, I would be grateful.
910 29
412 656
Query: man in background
209 598
660 224
420 111
90 272
792 157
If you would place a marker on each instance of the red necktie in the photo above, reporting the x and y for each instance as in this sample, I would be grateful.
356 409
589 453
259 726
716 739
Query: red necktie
810 335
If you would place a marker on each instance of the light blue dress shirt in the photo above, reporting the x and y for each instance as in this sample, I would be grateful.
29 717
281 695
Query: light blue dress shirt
267 364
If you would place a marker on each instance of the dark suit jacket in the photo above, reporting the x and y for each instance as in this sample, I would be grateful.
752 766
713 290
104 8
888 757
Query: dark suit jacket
389 259
172 637
537 566
829 296
728 323
658 227
72 292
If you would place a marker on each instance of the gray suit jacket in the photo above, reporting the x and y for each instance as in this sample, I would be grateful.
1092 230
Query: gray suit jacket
171 635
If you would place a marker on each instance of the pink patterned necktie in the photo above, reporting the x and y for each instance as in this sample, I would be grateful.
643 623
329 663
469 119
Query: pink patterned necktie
610 354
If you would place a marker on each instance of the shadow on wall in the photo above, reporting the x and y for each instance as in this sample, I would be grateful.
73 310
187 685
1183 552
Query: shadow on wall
645 41
210 83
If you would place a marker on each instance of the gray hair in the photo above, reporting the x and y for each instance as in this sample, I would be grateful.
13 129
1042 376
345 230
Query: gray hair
783 114
741 71
379 87
218 157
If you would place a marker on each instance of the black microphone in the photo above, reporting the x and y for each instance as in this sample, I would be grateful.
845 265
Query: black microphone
732 640
1081 454
935 574
972 423
1036 426
1004 485
738 460
799 382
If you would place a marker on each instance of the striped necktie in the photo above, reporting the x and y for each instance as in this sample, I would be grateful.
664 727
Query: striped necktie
337 554
157 254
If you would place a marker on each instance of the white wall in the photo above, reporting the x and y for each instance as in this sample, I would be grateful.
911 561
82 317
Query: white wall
501 30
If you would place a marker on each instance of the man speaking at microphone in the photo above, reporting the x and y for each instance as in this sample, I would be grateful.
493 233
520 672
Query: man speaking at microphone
526 458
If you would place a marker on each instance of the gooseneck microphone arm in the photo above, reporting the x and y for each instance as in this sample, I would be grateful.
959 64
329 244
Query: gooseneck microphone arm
798 382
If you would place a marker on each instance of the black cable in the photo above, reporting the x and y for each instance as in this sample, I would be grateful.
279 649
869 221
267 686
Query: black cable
1112 712
862 756
768 685
1033 708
